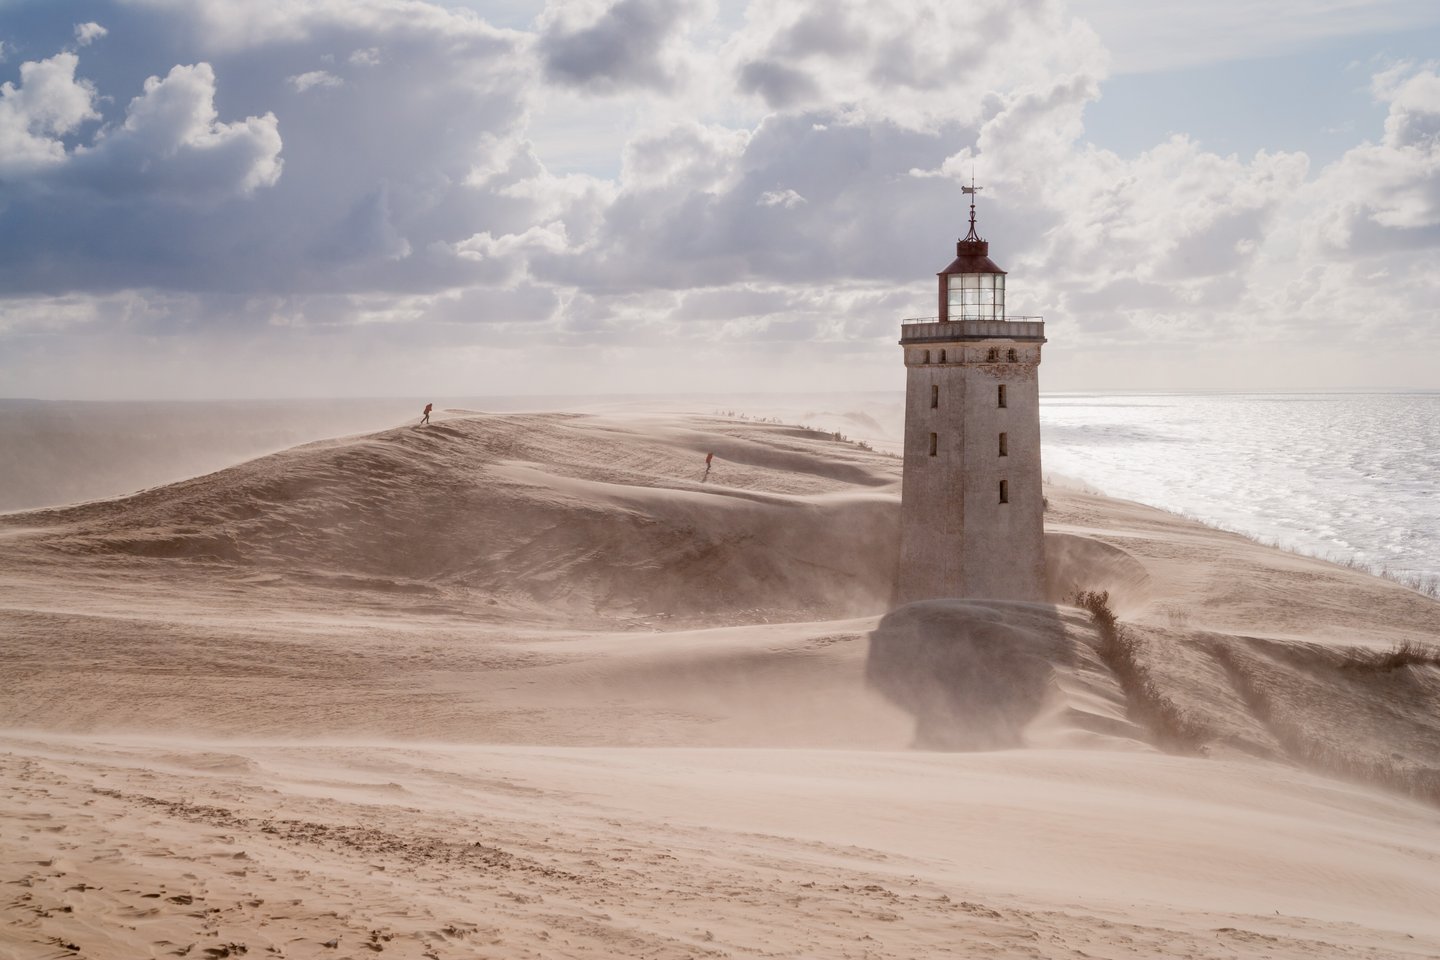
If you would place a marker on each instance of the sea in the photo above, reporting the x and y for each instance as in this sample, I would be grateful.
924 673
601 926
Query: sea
1351 477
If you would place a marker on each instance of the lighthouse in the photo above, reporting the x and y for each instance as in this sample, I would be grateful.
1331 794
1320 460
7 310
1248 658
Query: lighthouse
972 511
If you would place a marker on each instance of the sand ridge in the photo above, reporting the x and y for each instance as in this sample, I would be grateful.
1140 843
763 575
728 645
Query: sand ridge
542 513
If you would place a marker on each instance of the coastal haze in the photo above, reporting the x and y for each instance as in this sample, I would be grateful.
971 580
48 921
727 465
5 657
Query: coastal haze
604 659
1345 477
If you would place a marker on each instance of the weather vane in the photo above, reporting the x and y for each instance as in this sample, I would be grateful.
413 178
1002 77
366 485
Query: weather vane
972 190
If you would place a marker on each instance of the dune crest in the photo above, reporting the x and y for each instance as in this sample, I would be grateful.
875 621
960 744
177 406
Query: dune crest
547 514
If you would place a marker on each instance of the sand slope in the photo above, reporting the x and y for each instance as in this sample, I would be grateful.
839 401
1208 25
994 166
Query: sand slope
548 514
526 685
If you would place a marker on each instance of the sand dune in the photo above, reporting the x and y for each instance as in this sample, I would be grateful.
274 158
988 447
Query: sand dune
546 514
534 685
61 452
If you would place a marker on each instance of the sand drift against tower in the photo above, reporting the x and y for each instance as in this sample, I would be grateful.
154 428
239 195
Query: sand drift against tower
972 509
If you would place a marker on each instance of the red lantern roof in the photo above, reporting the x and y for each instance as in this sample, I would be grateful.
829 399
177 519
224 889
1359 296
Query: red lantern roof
972 256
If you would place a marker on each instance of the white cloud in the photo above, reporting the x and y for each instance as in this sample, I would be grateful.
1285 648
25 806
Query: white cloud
314 78
914 63
48 104
780 198
505 259
170 138
1414 118
1381 198
364 189
88 33
173 143
695 156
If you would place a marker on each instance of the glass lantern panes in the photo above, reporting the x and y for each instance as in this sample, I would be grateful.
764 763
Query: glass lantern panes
976 296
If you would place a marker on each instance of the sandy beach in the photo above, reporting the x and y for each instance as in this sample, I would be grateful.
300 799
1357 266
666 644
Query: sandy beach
532 685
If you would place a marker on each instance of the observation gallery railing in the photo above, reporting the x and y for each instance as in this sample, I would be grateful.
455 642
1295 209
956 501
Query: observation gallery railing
920 329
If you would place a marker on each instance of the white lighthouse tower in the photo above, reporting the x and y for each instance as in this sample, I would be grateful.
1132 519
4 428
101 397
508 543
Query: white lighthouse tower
972 513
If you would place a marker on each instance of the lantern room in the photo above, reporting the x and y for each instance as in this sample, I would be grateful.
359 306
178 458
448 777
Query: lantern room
972 287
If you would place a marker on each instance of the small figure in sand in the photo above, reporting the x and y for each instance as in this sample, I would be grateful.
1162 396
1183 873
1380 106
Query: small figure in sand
708 458
426 418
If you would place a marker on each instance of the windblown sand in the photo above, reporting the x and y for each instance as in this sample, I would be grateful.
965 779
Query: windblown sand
531 685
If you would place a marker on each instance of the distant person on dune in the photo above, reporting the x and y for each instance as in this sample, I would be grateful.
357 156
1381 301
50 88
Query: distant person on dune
426 418
708 458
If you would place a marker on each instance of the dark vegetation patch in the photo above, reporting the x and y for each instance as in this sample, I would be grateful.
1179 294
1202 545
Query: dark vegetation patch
1172 727
1407 653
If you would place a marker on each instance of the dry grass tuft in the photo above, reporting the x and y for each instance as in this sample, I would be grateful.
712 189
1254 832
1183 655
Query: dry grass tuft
1177 615
1408 653
1172 727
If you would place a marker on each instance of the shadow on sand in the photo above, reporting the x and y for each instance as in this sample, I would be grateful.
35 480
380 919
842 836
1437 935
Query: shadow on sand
974 673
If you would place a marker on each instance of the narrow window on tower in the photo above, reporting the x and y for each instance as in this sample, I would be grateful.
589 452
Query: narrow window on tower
934 444
934 395
1004 446
1012 356
942 356
1000 396
927 357
1004 491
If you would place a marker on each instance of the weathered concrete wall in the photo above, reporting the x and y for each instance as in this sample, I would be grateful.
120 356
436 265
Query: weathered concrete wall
957 539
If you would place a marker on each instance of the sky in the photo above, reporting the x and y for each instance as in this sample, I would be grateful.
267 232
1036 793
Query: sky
306 198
